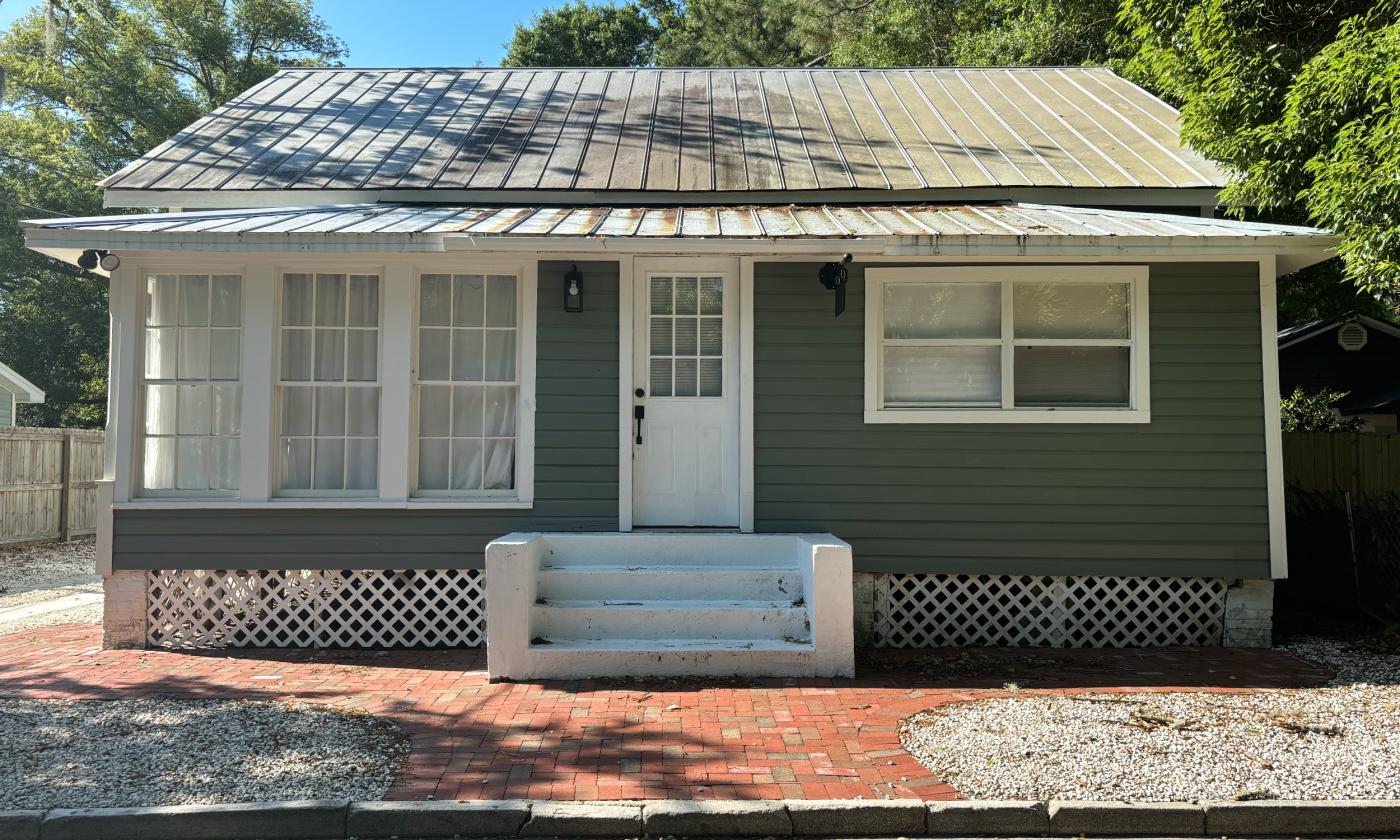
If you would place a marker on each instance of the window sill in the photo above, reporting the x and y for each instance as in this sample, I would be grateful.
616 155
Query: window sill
324 504
1009 415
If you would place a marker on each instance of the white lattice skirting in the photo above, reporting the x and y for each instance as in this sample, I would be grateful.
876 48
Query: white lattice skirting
308 608
913 611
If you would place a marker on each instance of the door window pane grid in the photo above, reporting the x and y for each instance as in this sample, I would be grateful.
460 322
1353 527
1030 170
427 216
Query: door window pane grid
686 337
466 391
328 385
190 393
1069 345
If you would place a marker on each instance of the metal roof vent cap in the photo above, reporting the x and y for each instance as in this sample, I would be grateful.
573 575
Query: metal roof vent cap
1352 336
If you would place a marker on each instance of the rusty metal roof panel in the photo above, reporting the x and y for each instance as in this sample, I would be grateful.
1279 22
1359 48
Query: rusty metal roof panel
678 131
748 222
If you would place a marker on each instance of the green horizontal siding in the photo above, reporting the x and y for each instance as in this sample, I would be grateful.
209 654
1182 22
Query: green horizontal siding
1184 495
576 432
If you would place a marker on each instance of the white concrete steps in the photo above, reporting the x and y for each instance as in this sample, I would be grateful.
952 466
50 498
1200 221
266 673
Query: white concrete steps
637 582
668 645
577 605
665 548
666 619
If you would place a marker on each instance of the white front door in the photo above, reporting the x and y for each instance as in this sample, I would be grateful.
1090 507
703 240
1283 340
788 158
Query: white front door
685 449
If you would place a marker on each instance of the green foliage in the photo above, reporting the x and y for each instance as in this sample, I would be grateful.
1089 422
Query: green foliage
94 86
54 332
973 33
1298 99
744 33
1304 412
579 35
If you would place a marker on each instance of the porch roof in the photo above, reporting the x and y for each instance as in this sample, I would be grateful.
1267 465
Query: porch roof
1009 228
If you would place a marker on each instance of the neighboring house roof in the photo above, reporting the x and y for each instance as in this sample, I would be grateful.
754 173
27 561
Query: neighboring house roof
24 390
679 131
1303 332
936 228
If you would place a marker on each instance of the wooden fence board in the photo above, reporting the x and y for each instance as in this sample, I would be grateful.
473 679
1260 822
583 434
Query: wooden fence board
1329 462
48 483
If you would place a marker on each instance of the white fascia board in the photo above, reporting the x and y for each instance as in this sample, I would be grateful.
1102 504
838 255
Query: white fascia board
24 390
1193 197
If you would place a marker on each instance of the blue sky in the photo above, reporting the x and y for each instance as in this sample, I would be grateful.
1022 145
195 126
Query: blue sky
400 33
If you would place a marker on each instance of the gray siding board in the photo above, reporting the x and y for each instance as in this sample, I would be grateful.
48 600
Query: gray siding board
1183 495
576 432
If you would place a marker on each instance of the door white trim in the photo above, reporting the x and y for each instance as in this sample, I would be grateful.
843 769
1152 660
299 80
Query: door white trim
625 314
746 490
740 269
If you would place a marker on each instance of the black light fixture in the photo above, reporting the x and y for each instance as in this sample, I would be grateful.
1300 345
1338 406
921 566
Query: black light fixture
92 258
833 277
573 290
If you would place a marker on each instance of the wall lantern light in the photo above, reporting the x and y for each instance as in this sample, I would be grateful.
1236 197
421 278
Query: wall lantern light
833 277
573 290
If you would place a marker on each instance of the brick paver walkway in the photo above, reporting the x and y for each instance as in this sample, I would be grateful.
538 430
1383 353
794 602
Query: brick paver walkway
595 739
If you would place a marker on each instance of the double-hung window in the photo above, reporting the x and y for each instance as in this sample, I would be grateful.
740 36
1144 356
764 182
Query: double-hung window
467 385
328 384
1006 344
191 392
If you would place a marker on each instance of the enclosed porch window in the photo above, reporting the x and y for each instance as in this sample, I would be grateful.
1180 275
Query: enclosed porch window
191 392
328 384
467 391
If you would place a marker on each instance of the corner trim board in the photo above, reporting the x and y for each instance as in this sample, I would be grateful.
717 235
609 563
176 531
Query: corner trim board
1273 429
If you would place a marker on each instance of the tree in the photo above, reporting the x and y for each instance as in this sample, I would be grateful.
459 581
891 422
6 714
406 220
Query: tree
579 35
92 84
1304 412
744 33
1298 99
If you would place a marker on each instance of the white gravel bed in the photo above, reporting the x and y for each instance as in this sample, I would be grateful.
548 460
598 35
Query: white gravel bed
46 566
93 753
1337 742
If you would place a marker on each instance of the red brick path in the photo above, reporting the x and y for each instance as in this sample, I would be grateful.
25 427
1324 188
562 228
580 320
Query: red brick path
826 739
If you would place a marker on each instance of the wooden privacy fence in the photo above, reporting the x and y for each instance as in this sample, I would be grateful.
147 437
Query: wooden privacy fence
1335 462
48 483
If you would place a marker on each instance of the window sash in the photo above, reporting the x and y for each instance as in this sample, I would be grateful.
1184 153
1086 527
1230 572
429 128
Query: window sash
190 341
344 323
449 326
1008 343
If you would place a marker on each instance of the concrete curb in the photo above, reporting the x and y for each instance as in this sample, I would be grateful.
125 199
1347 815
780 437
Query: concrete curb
302 820
435 820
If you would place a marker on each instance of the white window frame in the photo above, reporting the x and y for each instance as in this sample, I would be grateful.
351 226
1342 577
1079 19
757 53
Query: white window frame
1138 409
138 278
278 385
525 313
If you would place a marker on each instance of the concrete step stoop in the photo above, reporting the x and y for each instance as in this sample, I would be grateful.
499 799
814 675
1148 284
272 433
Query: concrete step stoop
642 604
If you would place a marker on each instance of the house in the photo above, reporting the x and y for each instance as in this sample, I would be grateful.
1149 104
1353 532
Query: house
710 371
15 389
1354 354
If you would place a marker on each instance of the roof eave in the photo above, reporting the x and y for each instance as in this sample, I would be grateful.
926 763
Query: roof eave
24 390
1198 196
1293 251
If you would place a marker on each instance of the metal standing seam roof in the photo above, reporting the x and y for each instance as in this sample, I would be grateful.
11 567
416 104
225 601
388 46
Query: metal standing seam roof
698 222
681 130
